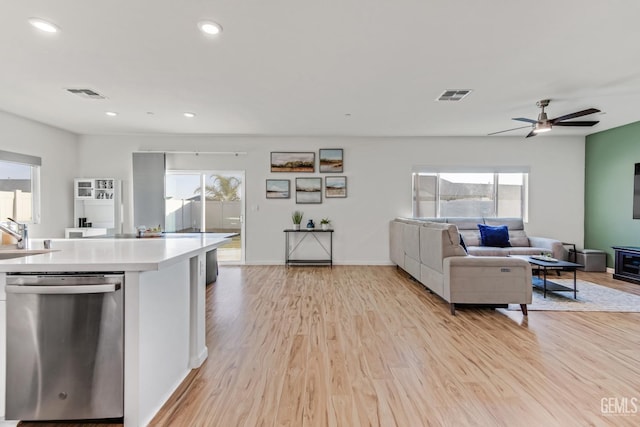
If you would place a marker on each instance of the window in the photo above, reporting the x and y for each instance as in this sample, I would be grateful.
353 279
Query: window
19 187
469 194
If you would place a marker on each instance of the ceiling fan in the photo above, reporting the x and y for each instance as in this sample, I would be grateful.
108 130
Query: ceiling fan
544 124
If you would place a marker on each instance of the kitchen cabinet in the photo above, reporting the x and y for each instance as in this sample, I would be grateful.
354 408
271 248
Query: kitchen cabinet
98 204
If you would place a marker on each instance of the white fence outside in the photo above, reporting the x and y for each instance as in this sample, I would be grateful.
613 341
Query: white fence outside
17 205
182 215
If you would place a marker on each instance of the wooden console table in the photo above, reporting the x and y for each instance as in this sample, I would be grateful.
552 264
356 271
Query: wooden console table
288 260
627 263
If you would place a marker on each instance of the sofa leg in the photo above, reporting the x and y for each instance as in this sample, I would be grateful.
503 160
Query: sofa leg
523 307
453 309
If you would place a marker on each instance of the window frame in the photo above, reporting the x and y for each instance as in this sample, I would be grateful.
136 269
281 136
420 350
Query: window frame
496 171
35 164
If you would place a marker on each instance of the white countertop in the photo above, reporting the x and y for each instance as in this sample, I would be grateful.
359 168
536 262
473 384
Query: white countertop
111 254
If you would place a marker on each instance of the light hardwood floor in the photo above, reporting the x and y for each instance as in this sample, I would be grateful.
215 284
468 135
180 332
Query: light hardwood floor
362 345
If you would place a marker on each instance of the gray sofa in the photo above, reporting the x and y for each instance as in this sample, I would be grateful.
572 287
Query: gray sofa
431 253
521 244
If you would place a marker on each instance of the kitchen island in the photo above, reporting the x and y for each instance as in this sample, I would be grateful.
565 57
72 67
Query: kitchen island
164 308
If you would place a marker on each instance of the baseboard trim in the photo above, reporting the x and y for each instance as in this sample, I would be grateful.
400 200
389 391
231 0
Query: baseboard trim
372 263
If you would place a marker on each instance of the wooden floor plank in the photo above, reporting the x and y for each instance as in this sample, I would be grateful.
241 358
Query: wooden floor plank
367 345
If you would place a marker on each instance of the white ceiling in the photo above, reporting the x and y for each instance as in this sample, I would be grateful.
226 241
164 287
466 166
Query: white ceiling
298 67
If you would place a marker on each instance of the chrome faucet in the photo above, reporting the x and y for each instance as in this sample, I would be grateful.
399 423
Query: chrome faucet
22 234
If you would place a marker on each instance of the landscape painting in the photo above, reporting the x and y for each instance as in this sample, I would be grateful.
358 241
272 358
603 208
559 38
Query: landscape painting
335 186
293 162
278 188
308 190
331 160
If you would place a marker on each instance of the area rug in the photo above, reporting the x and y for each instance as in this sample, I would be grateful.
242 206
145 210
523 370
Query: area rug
591 297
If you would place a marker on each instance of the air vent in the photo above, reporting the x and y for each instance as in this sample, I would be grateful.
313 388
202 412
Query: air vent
86 93
453 94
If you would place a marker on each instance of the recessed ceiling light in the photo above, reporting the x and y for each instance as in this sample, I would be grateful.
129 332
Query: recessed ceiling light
189 115
111 113
209 27
43 25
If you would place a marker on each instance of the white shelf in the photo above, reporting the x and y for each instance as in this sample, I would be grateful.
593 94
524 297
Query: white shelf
99 201
95 188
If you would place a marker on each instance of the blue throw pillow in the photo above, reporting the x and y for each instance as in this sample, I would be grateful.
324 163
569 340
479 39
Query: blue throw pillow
496 236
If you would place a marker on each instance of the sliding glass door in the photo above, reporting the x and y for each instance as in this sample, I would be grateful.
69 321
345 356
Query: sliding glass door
207 201
182 214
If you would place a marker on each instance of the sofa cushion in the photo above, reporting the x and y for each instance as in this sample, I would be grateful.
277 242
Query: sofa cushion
438 241
466 223
511 223
518 238
526 250
411 239
488 251
497 236
464 246
495 251
471 237
468 229
517 235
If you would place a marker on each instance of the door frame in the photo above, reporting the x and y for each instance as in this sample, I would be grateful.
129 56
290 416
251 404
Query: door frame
203 220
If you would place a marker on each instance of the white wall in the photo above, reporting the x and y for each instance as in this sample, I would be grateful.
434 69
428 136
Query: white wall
58 150
378 174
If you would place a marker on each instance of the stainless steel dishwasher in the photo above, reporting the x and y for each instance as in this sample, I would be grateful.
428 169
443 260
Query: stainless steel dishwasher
65 349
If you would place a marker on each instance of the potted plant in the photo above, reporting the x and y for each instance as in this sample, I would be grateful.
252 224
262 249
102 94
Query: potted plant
296 217
324 222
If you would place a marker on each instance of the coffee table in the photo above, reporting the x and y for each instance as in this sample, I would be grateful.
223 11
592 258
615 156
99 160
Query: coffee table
549 285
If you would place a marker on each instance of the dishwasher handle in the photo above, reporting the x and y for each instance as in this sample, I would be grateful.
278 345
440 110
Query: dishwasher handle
52 290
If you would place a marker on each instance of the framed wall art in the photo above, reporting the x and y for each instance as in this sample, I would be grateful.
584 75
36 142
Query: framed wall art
335 186
278 189
308 190
331 160
293 161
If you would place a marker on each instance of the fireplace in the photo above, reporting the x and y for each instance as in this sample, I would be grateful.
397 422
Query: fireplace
627 266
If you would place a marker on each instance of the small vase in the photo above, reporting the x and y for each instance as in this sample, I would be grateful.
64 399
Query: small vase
325 227
296 227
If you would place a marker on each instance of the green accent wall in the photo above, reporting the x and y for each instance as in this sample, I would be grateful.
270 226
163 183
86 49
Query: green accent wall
610 157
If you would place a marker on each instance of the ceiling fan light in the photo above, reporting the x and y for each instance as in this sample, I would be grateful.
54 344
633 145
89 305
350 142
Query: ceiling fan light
542 127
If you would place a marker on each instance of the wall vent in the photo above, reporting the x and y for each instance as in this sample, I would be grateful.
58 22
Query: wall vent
453 94
86 93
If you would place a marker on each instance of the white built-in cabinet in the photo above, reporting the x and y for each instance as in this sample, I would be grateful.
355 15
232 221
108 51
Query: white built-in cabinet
99 202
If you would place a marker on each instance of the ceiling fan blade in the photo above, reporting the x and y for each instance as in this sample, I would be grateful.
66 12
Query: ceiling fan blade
523 119
532 133
574 115
578 123
508 130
